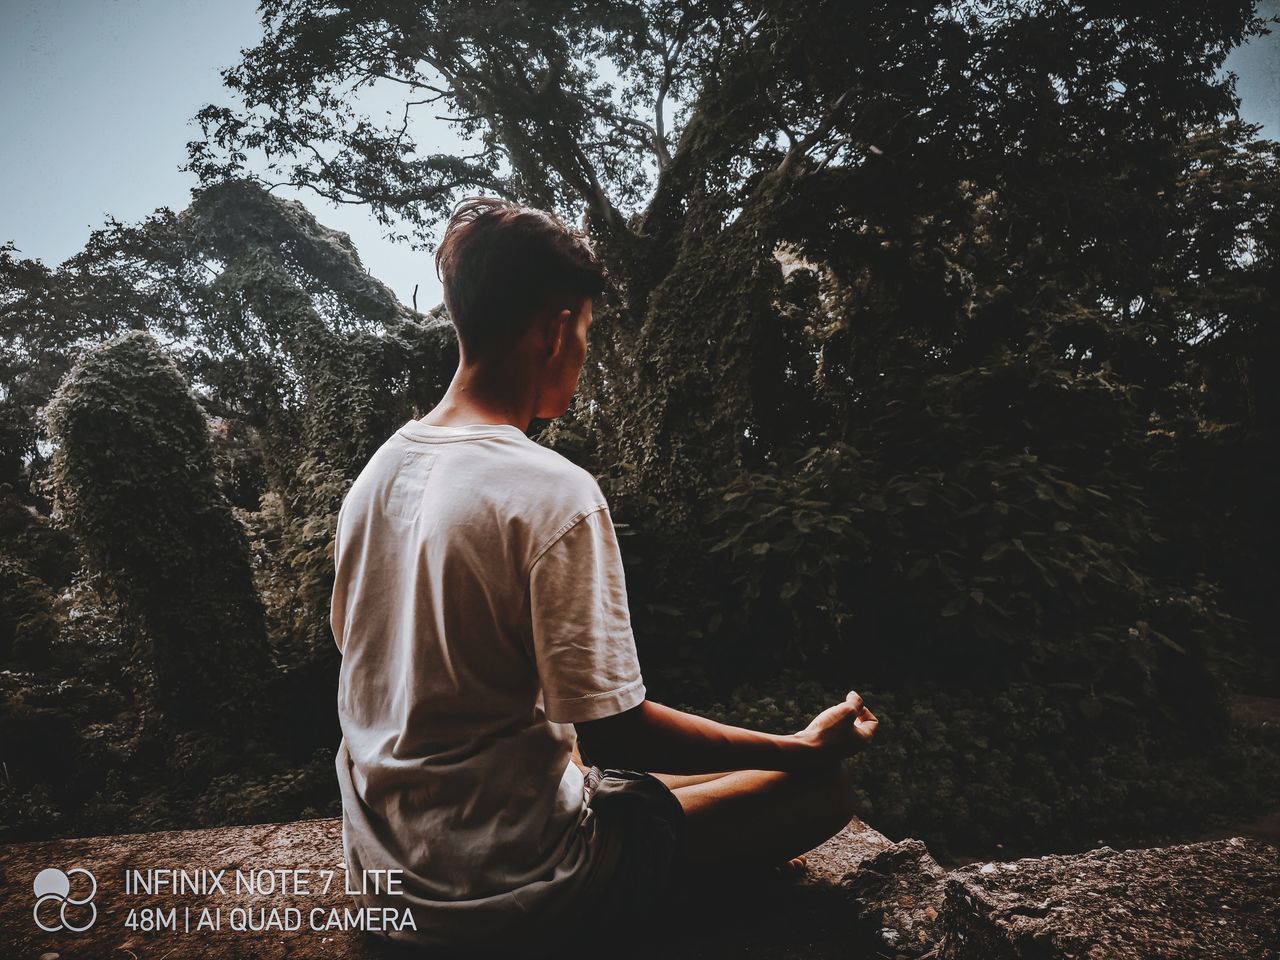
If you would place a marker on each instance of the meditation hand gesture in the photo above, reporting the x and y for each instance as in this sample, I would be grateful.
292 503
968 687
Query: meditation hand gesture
842 730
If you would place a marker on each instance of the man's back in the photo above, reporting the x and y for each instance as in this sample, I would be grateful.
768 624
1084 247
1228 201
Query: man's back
480 606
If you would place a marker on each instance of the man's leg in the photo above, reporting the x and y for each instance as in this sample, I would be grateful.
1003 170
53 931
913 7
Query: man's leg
745 817
760 818
676 780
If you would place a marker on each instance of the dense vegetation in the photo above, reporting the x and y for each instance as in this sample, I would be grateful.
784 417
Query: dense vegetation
939 359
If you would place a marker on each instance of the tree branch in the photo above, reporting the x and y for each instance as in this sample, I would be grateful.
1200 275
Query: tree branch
801 147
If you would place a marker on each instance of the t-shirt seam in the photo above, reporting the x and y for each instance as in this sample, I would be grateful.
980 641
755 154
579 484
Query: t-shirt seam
415 430
629 685
561 532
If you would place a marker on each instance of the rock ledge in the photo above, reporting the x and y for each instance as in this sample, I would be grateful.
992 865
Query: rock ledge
863 897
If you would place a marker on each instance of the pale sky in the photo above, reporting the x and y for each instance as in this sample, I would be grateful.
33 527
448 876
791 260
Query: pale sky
96 104
96 99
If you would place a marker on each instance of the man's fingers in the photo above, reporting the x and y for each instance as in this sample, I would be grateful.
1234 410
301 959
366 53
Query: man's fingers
855 701
867 724
852 706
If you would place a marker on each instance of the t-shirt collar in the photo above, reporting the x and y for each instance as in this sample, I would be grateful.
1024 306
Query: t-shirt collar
435 431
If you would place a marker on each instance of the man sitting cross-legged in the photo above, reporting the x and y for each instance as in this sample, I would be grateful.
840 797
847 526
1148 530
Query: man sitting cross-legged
481 610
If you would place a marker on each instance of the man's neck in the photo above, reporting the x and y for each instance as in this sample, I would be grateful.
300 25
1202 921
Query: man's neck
473 397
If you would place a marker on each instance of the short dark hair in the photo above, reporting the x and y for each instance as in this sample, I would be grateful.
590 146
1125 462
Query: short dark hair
500 262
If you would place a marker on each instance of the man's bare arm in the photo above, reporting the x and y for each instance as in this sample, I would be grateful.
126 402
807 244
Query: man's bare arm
651 736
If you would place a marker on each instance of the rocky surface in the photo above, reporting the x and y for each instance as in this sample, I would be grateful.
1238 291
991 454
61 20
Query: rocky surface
314 845
805 917
1218 900
773 917
898 892
861 897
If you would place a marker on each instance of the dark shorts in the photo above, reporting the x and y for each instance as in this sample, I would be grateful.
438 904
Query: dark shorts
650 823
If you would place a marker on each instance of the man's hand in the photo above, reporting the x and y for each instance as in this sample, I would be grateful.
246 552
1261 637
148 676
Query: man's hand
650 736
842 730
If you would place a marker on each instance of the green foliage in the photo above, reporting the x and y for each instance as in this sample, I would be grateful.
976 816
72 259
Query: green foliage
304 791
793 541
991 530
1015 771
27 626
133 479
937 344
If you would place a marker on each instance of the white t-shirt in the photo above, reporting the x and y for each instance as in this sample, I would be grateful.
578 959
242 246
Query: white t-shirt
481 610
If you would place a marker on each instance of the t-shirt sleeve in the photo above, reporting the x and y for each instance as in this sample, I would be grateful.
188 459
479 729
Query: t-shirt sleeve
581 627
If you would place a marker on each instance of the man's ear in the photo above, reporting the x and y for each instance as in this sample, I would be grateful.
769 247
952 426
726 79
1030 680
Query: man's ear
558 330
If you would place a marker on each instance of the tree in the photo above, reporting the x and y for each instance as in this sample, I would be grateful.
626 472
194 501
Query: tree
932 335
134 481
697 137
272 317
